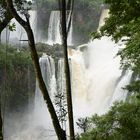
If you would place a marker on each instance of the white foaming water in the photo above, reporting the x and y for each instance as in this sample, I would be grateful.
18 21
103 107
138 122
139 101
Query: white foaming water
96 87
54 31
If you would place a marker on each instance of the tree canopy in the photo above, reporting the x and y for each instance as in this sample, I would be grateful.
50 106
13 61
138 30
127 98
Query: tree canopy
122 122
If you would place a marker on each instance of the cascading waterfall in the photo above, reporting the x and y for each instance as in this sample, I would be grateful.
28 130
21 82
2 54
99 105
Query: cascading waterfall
54 31
55 82
99 84
42 116
94 86
54 28
61 77
47 65
97 79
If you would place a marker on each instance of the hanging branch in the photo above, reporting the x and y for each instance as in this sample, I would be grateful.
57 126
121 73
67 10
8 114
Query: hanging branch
26 25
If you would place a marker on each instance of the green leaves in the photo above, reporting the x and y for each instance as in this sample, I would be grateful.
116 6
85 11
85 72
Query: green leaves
83 124
12 27
95 35
122 122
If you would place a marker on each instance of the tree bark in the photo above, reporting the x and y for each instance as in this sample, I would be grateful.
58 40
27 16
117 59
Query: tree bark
1 125
26 25
67 69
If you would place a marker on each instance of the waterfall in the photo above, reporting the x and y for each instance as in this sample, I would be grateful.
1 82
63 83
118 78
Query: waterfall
61 77
97 79
95 86
54 28
104 14
99 84
55 82
47 65
54 31
41 115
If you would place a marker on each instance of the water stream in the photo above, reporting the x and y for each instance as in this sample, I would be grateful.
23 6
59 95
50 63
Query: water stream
54 30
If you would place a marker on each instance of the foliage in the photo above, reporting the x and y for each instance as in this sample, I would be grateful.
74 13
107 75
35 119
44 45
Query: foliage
56 51
83 124
16 76
61 108
2 10
23 5
122 122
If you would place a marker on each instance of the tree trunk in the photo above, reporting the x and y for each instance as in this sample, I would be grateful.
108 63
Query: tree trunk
1 125
67 69
26 25
0 37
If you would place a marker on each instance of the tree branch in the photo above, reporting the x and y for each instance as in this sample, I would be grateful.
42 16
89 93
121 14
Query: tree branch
14 13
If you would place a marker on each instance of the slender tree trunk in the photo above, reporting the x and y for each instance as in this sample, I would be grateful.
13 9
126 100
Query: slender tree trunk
67 69
1 125
26 25
0 37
